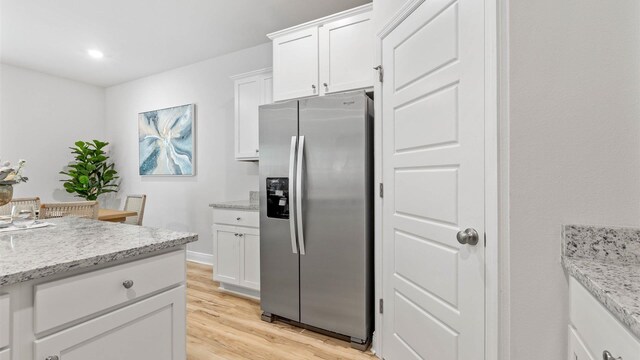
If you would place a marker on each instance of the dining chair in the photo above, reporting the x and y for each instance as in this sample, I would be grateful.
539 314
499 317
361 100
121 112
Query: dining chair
84 209
21 203
135 203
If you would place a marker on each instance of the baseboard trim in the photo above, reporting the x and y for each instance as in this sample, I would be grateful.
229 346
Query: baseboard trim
200 258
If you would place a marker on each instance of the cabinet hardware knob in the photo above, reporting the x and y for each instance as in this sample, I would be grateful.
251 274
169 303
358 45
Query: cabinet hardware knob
606 355
313 87
326 86
53 357
257 151
241 235
238 218
128 284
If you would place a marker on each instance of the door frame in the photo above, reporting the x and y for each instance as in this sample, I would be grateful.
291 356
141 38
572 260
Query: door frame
496 179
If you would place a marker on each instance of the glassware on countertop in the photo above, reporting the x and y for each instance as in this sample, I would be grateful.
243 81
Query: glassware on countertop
5 221
23 216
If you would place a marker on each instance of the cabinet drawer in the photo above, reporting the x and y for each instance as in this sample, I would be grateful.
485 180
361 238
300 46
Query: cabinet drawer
5 322
153 328
236 217
69 299
5 354
598 328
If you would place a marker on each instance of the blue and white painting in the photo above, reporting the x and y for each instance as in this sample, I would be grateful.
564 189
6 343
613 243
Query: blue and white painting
166 141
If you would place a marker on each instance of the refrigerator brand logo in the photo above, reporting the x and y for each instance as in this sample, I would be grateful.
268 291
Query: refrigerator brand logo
348 102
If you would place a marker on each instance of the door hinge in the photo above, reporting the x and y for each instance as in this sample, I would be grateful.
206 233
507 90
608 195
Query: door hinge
381 192
381 307
380 72
485 239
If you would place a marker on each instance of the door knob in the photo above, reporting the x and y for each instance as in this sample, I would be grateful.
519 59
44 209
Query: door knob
468 236
606 355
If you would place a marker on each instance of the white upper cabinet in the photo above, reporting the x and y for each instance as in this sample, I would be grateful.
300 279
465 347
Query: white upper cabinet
346 54
328 55
251 90
295 61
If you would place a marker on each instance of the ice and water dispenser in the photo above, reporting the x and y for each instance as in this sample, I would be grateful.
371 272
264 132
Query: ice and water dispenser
278 198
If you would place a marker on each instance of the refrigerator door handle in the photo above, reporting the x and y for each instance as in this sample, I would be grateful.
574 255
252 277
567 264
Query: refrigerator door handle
292 213
299 189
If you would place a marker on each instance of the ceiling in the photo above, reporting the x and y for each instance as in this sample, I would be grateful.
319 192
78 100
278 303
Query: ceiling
141 37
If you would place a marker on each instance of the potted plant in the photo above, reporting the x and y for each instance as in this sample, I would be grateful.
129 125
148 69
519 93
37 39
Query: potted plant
9 176
90 174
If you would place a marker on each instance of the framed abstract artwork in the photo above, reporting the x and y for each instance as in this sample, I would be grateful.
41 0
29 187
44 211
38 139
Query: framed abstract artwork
166 141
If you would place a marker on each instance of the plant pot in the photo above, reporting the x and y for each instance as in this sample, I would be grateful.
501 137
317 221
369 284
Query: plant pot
6 194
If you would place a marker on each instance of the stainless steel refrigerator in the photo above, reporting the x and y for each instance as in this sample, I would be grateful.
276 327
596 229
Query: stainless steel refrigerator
316 214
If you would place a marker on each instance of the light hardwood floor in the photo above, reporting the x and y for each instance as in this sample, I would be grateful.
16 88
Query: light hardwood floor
223 326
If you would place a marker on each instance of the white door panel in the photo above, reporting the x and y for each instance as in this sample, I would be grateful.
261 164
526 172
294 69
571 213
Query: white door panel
433 170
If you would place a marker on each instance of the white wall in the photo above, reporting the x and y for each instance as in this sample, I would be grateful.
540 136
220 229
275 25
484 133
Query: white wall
574 148
181 203
40 117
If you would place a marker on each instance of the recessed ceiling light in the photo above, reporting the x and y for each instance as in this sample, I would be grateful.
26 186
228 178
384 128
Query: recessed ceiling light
96 54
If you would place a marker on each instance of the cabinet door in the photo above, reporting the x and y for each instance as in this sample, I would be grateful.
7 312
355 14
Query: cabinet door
248 96
577 349
226 245
150 329
295 65
5 354
346 54
250 270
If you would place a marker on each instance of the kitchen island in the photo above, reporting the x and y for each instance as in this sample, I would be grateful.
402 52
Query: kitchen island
85 289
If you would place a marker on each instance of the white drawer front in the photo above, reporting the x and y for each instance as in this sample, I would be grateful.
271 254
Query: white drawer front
5 354
69 299
153 328
598 328
236 217
5 321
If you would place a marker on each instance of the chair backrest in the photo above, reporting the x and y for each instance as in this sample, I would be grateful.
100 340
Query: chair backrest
84 209
135 203
21 203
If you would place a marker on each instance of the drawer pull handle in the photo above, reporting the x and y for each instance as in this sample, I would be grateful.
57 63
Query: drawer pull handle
128 284
606 355
54 357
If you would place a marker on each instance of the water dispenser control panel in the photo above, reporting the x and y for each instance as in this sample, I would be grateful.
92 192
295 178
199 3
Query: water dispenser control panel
278 198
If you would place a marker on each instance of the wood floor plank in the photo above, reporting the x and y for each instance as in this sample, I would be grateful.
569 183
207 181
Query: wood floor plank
221 326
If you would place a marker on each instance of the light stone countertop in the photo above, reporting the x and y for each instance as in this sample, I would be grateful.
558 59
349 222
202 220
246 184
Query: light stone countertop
252 204
75 243
606 261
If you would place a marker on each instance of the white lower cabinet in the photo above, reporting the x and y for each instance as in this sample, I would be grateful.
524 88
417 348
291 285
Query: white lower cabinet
593 330
236 251
145 330
131 310
5 308
227 251
577 349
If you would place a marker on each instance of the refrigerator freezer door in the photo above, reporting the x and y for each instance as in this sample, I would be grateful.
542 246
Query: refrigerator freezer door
336 270
279 266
